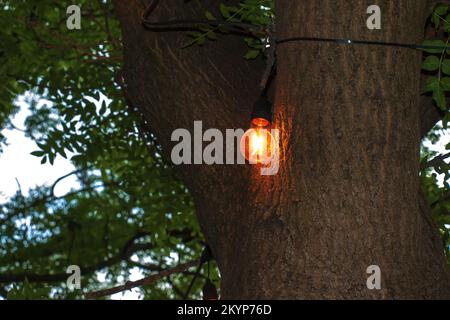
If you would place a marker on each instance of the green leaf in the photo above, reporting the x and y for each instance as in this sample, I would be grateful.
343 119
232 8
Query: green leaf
39 153
431 63
433 43
51 158
432 84
446 120
225 11
62 152
439 98
445 83
252 54
446 66
103 109
209 16
447 23
436 21
42 146
200 40
441 9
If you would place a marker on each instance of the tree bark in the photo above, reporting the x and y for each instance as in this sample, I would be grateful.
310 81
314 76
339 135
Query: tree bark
346 196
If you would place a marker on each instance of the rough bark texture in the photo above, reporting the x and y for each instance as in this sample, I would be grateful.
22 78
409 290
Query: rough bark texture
346 196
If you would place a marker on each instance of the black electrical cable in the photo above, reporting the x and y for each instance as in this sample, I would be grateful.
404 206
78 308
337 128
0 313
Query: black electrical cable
259 32
364 42
241 28
205 257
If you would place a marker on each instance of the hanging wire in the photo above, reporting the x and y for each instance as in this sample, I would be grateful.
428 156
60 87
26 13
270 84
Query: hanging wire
240 28
256 31
205 257
209 277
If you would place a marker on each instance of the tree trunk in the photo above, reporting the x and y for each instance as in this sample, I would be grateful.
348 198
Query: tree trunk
346 196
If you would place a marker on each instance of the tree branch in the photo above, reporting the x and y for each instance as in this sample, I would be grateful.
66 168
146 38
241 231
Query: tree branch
51 198
128 250
157 268
435 162
52 188
145 281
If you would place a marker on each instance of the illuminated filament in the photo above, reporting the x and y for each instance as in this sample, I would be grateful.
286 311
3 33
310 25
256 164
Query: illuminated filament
257 146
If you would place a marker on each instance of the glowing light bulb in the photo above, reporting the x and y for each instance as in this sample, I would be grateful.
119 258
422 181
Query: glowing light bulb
257 145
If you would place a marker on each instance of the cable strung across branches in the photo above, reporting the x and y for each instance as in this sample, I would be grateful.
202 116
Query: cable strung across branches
248 29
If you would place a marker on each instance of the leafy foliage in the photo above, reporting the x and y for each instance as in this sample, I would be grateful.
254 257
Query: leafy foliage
435 174
437 61
130 212
254 12
434 178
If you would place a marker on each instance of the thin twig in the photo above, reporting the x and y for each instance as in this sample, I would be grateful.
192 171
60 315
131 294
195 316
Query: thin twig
52 188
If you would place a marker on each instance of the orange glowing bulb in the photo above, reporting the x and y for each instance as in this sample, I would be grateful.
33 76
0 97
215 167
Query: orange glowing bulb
256 145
